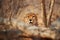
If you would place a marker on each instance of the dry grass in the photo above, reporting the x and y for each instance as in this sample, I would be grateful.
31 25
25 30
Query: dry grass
16 29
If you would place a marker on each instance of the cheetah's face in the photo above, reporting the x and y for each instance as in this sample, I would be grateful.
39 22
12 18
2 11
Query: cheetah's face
31 18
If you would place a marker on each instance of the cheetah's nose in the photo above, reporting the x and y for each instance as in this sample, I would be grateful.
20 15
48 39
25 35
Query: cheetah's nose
30 21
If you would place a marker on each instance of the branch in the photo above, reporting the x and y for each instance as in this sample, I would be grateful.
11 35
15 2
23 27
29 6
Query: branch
44 13
51 11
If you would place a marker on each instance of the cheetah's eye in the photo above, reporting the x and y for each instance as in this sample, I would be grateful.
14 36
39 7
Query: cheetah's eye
28 16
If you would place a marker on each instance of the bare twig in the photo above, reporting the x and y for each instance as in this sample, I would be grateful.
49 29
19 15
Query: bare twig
44 13
51 11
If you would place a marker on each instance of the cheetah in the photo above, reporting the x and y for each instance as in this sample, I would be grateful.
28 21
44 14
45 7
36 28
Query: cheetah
31 18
